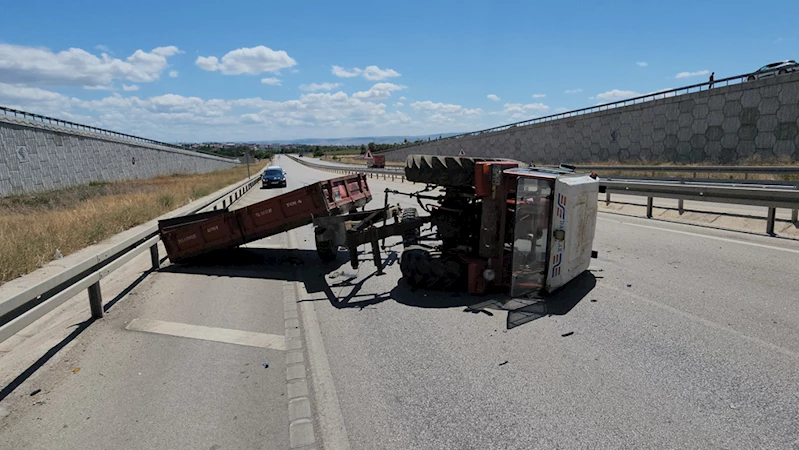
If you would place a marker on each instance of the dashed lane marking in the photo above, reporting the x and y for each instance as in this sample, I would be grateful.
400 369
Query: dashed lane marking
228 336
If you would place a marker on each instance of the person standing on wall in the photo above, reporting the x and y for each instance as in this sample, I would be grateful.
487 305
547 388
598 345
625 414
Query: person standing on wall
712 78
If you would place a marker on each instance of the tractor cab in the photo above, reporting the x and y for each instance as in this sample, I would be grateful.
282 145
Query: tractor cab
553 220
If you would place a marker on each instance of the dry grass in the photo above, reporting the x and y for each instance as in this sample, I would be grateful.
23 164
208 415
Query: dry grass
33 227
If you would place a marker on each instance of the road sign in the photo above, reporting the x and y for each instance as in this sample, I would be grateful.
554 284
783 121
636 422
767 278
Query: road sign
462 153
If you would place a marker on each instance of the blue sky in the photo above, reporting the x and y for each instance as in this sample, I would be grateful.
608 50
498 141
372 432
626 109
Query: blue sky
202 70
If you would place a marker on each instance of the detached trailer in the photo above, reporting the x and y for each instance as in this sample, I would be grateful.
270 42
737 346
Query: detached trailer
491 225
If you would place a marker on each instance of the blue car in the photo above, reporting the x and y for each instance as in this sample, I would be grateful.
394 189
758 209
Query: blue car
273 176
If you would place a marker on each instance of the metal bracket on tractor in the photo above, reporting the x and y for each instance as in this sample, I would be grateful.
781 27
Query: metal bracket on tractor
358 228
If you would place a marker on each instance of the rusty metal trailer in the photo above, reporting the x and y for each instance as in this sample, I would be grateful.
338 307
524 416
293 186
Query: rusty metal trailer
190 236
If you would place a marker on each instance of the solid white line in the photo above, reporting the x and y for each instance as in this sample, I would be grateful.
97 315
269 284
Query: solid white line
703 321
331 421
734 241
228 336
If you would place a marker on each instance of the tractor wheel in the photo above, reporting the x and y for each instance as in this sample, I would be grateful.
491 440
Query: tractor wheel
326 250
450 171
427 269
411 236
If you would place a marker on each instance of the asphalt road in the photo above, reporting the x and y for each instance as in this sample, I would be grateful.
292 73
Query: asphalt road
678 337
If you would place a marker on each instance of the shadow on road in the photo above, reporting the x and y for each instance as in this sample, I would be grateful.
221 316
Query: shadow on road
345 290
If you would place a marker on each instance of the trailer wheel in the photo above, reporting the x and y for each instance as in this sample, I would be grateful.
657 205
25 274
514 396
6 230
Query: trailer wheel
411 236
427 269
326 250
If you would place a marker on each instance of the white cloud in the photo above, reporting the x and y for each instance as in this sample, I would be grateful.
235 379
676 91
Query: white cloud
173 73
131 87
372 73
692 74
560 110
313 87
399 104
403 98
77 67
524 111
616 94
379 91
251 61
272 81
439 111
102 48
642 64
539 95
572 91
492 97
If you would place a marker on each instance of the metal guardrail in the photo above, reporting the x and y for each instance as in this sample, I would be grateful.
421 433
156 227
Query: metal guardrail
771 196
737 79
103 131
24 308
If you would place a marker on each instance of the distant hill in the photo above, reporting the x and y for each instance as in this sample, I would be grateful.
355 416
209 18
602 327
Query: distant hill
356 140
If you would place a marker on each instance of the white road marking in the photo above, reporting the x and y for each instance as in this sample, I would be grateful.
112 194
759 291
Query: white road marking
238 337
703 321
734 241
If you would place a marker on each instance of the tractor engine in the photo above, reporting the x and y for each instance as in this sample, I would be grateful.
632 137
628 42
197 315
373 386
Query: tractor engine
457 220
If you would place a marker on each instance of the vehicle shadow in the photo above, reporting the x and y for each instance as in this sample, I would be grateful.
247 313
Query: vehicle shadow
334 282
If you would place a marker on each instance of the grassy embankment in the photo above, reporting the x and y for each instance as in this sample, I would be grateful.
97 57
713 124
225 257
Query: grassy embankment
33 227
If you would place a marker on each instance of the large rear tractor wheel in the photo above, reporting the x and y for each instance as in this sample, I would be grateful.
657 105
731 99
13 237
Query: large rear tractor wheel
449 171
410 237
427 269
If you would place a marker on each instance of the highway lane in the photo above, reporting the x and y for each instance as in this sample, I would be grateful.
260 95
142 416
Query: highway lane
118 388
689 338
686 337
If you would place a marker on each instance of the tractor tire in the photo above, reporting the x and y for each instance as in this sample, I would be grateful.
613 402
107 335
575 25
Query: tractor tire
449 171
410 237
426 269
326 250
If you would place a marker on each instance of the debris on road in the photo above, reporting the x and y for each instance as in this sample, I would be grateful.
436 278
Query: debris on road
76 370
266 365
503 363
593 300
567 334
629 285
35 392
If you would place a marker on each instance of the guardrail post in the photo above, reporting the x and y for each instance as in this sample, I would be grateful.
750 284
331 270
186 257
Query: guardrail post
223 203
154 257
772 213
607 198
795 217
649 201
96 301
680 206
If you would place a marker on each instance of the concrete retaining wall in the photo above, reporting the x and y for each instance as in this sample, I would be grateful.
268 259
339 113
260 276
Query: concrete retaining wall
753 122
35 156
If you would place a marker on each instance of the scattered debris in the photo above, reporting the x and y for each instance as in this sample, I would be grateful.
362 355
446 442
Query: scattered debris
593 300
503 363
58 254
629 285
35 392
733 406
76 370
266 365
567 334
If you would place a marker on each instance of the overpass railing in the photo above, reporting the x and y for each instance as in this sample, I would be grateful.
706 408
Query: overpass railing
771 195
24 308
592 109
92 129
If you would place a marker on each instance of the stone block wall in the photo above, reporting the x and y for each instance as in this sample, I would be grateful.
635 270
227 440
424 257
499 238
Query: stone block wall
36 156
754 122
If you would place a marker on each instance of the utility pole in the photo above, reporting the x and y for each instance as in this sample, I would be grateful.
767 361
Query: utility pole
247 155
